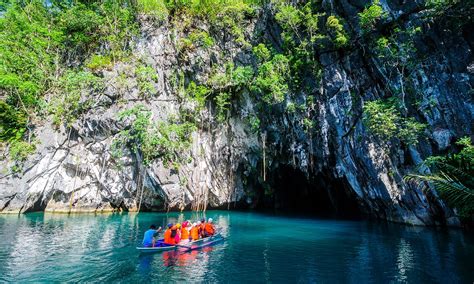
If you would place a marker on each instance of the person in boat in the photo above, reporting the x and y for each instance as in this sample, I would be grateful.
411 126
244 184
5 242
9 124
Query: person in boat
203 228
209 229
149 238
177 237
185 231
195 232
169 237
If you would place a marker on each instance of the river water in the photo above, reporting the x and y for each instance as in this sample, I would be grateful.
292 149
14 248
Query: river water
258 248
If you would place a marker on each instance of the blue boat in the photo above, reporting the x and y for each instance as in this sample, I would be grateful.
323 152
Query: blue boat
184 247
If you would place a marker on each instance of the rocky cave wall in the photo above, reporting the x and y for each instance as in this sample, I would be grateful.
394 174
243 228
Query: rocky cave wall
340 166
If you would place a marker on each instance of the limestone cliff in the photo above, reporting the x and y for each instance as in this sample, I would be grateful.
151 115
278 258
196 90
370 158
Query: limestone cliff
335 164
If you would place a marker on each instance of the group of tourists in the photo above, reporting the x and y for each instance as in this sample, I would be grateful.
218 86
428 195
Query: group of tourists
180 233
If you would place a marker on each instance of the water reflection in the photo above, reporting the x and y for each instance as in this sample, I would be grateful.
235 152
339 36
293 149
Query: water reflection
258 248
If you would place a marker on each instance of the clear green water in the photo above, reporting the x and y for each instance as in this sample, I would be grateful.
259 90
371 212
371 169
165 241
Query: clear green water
258 248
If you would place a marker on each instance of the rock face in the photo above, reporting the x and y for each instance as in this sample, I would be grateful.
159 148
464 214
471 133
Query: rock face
338 167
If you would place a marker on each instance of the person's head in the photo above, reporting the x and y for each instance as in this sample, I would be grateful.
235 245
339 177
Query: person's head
170 225
178 226
209 220
153 227
203 220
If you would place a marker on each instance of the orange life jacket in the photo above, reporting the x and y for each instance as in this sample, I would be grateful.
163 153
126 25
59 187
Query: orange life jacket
195 233
209 229
184 234
168 239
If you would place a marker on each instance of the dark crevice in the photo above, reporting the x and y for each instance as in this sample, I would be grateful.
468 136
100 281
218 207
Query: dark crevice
289 190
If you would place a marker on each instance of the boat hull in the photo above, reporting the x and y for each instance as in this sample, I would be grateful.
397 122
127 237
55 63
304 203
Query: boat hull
185 247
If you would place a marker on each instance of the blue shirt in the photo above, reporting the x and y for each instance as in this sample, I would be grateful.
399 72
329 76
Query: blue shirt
148 238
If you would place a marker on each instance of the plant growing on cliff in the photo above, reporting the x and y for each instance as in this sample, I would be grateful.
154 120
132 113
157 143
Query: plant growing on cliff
453 177
336 29
165 140
29 50
153 8
371 15
99 62
71 98
19 152
384 120
222 106
271 80
197 93
196 39
398 56
146 79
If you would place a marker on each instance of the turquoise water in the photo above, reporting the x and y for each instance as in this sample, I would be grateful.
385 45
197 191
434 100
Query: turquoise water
258 248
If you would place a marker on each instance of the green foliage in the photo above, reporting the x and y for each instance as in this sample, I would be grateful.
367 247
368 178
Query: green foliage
453 177
13 123
36 37
198 93
19 152
222 106
289 17
94 24
234 78
336 29
80 23
271 80
308 125
384 120
254 122
99 62
398 50
154 8
196 39
69 100
226 15
242 76
261 52
164 140
291 107
371 15
146 79
201 38
28 49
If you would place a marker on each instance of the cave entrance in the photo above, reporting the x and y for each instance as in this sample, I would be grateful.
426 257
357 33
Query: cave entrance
321 195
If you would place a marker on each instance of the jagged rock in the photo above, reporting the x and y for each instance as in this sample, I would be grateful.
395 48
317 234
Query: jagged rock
339 161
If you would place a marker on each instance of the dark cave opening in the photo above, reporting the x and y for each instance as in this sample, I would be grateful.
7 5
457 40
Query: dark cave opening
291 191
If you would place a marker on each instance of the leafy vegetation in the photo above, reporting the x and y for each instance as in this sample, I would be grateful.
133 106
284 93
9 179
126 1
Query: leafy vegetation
384 120
371 15
154 8
453 177
150 140
98 62
38 43
29 49
146 79
271 79
336 29
66 105
19 152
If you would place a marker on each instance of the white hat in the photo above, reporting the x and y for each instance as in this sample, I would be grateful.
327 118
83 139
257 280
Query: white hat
209 220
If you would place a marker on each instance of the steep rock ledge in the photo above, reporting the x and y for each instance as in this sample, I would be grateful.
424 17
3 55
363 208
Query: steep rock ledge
74 170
